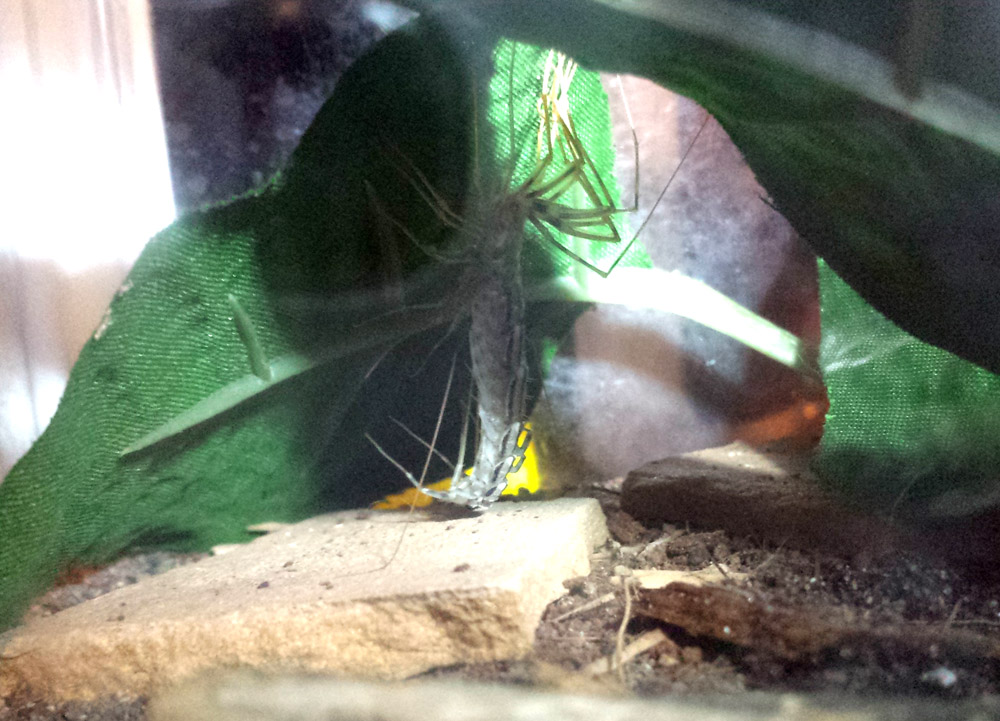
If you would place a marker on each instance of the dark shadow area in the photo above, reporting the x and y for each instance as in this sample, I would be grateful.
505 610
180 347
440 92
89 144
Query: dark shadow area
241 80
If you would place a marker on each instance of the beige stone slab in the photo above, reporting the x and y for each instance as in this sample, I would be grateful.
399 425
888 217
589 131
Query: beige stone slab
324 595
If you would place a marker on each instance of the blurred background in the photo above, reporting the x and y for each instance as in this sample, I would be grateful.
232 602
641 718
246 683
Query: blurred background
119 114
85 182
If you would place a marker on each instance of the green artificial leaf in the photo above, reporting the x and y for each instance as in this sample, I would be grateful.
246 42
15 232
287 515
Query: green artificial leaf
170 434
896 185
912 429
898 195
255 343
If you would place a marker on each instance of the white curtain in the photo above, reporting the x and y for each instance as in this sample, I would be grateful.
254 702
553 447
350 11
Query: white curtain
84 183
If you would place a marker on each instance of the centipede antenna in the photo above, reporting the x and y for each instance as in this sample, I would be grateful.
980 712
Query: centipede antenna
391 264
476 170
635 137
386 217
457 470
434 349
422 184
663 192
399 466
419 485
421 441
437 424
512 162
378 361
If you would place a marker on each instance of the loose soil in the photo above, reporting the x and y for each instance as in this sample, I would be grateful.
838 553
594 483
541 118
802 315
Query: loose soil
867 601
911 626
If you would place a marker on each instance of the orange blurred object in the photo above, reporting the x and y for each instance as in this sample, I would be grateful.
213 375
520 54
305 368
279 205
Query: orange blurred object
798 426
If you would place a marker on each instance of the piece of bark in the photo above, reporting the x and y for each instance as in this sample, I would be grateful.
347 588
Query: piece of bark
749 620
748 492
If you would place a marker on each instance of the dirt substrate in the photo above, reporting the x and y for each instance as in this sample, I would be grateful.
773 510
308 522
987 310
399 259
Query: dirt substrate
771 619
774 619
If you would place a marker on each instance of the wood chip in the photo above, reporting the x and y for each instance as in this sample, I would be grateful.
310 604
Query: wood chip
747 492
597 602
640 644
747 619
658 578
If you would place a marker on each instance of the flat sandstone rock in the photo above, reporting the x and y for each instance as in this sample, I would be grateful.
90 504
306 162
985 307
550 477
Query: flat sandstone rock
330 594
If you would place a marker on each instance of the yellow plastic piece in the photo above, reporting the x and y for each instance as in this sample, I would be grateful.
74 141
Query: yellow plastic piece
526 477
